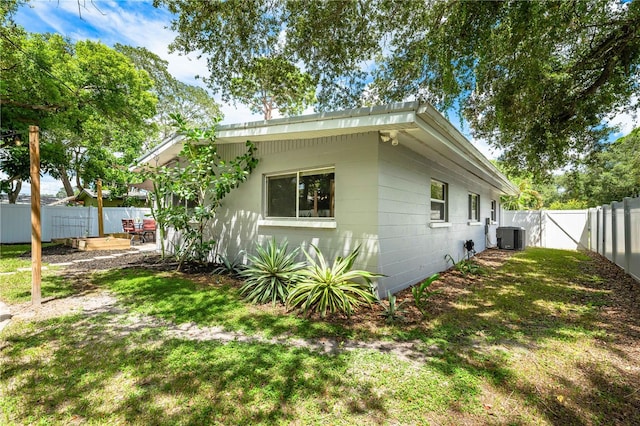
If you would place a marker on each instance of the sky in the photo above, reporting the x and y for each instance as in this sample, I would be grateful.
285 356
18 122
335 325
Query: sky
137 23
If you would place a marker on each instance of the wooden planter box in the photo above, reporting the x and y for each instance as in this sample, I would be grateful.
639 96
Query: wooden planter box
104 243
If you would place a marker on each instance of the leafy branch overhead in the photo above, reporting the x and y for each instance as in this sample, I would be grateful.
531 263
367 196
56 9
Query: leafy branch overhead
536 79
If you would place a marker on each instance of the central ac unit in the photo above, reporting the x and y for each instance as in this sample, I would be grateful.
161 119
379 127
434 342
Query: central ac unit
511 238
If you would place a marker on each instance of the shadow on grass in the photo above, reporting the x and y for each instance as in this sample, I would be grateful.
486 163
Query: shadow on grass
540 299
16 288
181 300
85 368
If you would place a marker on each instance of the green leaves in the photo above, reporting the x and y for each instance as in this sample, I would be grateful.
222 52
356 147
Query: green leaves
273 83
538 80
271 273
421 293
333 288
198 182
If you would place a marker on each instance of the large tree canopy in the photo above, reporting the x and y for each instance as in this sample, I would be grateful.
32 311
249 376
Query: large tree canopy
89 101
537 79
273 83
194 104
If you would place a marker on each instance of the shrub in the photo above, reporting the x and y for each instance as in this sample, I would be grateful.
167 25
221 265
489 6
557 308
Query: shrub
392 309
466 266
332 288
226 266
421 293
270 274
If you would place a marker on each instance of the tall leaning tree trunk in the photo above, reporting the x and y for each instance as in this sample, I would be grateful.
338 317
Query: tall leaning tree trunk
64 177
14 191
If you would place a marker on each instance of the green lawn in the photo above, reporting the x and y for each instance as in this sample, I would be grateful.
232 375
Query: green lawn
528 345
16 288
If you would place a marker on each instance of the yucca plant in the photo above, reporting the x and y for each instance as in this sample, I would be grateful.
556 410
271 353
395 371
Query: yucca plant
392 309
334 288
421 293
271 273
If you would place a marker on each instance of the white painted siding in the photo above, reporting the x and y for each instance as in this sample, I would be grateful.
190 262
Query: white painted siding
356 169
410 250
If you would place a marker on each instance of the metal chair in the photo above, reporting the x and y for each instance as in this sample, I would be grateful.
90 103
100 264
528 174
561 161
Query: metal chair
129 226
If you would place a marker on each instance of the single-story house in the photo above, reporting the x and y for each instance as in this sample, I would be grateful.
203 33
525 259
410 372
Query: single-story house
398 180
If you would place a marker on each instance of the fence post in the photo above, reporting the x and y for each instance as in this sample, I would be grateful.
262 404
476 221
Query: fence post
627 233
614 234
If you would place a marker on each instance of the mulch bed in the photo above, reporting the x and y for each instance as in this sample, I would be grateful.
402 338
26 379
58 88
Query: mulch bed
451 285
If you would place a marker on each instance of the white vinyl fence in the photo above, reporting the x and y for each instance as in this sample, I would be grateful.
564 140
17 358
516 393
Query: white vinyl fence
615 234
560 229
612 230
62 222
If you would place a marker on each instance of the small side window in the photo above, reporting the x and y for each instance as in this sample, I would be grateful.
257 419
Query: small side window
474 207
439 201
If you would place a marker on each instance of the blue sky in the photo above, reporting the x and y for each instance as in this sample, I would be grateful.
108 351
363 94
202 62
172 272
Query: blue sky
138 23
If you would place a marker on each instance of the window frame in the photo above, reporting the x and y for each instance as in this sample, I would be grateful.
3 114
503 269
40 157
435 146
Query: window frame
298 173
494 211
470 197
444 201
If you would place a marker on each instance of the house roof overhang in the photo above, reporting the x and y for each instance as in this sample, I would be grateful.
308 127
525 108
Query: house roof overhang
418 126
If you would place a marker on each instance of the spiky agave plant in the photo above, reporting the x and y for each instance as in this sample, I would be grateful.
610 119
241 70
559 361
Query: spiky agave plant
270 273
334 288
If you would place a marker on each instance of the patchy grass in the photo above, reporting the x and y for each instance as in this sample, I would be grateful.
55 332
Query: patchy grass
16 287
174 297
545 339
79 369
10 259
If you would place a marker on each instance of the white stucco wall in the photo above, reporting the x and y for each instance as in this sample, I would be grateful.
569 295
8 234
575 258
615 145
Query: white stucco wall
382 203
356 168
411 250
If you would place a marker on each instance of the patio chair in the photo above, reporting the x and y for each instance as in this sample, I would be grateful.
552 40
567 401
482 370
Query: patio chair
149 228
129 226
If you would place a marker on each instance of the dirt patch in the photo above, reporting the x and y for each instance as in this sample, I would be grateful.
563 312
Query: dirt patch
95 260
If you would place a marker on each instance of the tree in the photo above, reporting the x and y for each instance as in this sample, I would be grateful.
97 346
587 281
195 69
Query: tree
187 195
192 103
609 175
537 79
88 100
273 83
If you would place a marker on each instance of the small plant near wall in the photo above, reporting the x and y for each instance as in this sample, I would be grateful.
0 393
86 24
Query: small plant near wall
228 266
392 309
332 288
466 266
421 293
271 273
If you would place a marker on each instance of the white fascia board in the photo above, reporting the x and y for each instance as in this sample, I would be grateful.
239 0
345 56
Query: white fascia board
451 137
467 153
165 149
317 128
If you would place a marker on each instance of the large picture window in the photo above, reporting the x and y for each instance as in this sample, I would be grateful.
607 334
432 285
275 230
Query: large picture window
302 194
474 207
438 201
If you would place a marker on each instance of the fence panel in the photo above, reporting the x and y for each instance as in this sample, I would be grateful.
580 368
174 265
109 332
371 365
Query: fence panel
531 220
607 241
634 238
62 222
593 229
618 243
561 229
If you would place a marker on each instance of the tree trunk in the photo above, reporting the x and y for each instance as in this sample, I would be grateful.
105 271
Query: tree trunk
14 190
65 181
